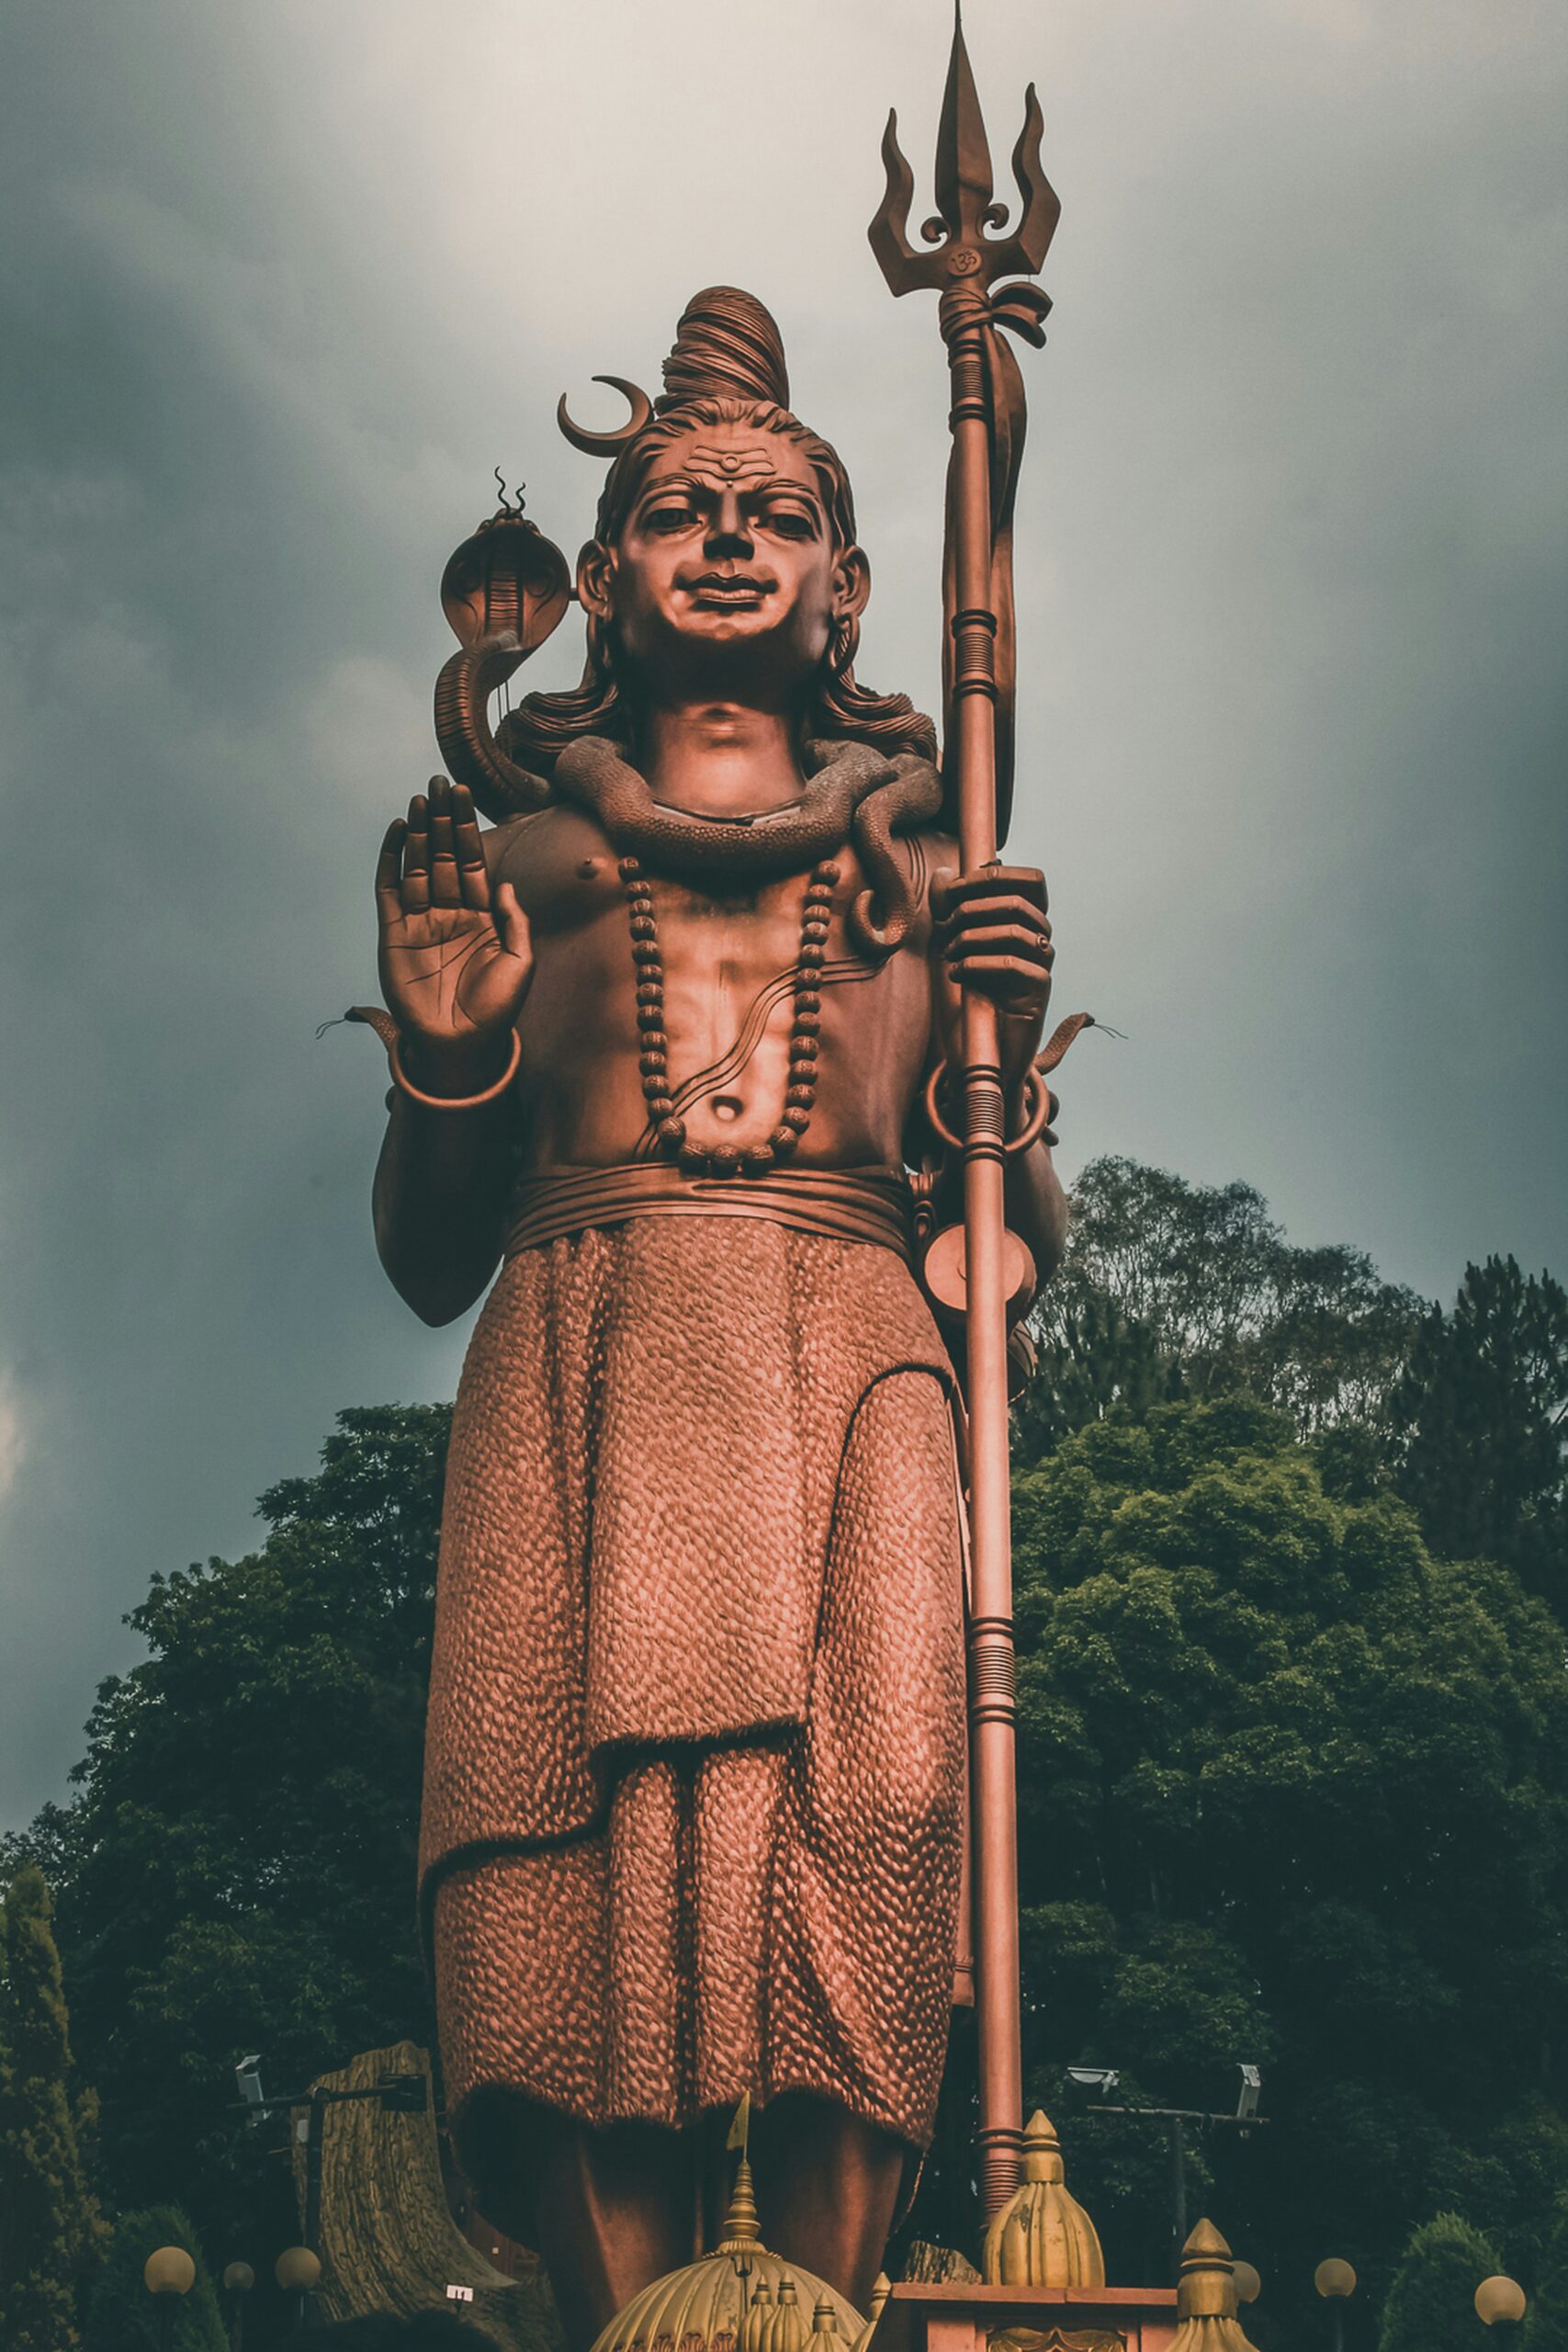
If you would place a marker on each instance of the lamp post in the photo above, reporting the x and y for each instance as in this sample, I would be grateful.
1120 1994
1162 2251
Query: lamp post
297 2272
168 2273
1334 2281
1500 2304
1103 2079
238 2280
398 2095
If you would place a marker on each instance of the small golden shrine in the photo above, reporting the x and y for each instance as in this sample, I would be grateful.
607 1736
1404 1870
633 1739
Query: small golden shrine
740 2297
1042 2287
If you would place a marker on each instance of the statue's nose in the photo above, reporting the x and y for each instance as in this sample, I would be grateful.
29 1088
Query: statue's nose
728 532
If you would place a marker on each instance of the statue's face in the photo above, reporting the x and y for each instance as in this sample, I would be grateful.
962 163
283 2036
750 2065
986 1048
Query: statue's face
725 577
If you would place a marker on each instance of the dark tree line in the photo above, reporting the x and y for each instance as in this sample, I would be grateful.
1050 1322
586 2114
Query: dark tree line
1290 1550
51 2231
1295 1793
235 1871
1174 1290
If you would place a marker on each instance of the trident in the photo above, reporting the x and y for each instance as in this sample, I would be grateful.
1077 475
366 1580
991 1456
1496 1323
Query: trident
978 674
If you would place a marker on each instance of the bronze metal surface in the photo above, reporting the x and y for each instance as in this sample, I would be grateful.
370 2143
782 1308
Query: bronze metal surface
695 1761
986 422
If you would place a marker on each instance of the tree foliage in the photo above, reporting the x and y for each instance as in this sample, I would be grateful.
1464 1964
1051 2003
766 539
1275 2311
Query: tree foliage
1292 1793
237 1871
1482 1409
1294 1779
50 2230
123 2317
1431 2304
1171 1289
1546 2321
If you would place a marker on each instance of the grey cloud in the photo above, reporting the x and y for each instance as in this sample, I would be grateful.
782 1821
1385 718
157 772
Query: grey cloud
282 287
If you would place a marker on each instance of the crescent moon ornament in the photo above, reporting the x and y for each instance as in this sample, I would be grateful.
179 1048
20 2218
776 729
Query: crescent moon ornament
608 444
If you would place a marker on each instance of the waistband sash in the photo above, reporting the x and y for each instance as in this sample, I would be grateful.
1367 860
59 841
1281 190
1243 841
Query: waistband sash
846 1204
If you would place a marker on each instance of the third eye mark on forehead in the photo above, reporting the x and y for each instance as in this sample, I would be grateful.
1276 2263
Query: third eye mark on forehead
749 470
749 465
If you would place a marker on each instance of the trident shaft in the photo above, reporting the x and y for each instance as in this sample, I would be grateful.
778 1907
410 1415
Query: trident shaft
964 262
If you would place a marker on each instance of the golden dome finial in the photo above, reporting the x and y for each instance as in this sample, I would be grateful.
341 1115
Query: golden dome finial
1041 2237
1042 2150
741 2227
1206 2298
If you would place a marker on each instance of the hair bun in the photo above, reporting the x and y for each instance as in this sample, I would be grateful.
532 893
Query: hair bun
727 347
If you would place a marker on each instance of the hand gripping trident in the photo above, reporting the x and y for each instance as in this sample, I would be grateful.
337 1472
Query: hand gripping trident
986 419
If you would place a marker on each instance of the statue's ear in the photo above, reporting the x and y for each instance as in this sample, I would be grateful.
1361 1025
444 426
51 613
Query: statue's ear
595 579
851 583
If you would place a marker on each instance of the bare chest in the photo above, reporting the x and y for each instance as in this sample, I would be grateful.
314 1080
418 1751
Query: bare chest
714 981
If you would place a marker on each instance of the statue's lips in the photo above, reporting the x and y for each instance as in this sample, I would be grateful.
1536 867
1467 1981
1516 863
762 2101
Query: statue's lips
723 589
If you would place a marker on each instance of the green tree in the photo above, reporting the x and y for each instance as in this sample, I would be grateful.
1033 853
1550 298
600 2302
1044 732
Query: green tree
123 2317
1546 2321
237 1869
49 2231
1292 1793
1172 1289
1431 2304
1484 1404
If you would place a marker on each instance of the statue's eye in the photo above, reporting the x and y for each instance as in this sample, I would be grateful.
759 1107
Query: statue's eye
790 522
672 516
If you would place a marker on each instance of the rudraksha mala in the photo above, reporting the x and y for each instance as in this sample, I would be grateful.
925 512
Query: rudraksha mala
800 1092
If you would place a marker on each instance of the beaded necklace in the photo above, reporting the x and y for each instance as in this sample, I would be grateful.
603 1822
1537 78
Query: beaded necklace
800 1092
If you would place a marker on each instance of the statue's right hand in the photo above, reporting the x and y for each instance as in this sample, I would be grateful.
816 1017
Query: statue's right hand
455 969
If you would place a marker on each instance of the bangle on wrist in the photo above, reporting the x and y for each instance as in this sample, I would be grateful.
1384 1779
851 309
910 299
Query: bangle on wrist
405 1085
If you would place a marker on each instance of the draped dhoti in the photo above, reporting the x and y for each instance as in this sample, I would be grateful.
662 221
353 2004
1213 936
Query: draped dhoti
694 1774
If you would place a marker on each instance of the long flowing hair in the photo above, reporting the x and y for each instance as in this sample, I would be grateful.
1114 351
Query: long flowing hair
837 708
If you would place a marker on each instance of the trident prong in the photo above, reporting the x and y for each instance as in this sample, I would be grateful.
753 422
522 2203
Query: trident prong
889 231
962 153
1042 205
965 209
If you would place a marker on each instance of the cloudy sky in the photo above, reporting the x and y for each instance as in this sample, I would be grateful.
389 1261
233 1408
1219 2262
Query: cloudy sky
283 283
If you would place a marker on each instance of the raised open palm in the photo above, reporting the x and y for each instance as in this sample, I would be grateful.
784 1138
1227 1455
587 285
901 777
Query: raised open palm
455 969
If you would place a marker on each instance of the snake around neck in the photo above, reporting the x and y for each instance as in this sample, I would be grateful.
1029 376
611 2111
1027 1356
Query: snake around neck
856 794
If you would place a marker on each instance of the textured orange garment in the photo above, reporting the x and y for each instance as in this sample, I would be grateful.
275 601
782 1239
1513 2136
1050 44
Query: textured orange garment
694 1771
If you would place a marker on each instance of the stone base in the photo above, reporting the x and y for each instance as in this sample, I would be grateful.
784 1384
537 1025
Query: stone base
962 2316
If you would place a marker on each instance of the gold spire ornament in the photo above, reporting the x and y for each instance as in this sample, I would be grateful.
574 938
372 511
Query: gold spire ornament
882 2287
739 2295
788 2332
1042 2237
1206 2317
758 2320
